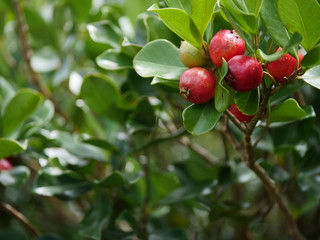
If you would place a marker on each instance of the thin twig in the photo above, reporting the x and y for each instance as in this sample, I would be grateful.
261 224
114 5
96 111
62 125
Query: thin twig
21 218
34 77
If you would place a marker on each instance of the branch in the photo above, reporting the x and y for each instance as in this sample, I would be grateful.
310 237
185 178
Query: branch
21 218
34 77
271 187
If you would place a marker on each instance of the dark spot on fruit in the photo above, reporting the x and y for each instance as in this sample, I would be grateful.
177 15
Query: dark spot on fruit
230 79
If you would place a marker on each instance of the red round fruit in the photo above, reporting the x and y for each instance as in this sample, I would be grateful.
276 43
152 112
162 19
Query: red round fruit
245 73
190 56
233 108
5 165
197 85
284 66
225 44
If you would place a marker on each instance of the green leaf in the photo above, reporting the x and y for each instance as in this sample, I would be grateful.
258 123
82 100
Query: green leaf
181 4
222 94
292 43
129 49
20 107
248 102
247 20
6 92
105 32
156 29
312 58
15 177
114 60
200 118
62 184
180 23
188 192
99 92
202 12
159 58
254 6
312 76
302 17
273 24
115 179
94 220
9 147
287 111
167 82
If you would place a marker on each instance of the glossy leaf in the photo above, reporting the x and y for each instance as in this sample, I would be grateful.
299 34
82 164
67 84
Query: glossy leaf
247 20
94 220
287 111
167 82
15 177
312 76
62 184
181 4
20 107
202 12
302 17
9 147
105 32
99 92
292 43
254 6
222 94
312 58
248 102
180 23
200 118
273 24
159 58
114 60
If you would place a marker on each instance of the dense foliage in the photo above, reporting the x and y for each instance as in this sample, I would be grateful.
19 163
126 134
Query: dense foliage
103 145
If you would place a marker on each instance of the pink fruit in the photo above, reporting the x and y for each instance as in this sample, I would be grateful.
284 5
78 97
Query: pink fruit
197 85
233 108
225 44
5 165
284 66
245 73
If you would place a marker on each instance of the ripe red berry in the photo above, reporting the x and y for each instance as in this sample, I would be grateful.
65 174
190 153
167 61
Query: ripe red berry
225 44
191 56
233 108
5 165
245 73
284 66
197 85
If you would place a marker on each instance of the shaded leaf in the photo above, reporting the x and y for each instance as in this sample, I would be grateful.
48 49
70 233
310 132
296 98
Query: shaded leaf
200 118
20 107
248 102
114 60
222 94
94 220
9 147
14 177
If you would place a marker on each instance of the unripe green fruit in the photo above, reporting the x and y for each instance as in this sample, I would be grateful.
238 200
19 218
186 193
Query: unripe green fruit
191 56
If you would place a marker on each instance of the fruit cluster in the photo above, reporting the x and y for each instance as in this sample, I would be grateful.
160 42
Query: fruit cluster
245 73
